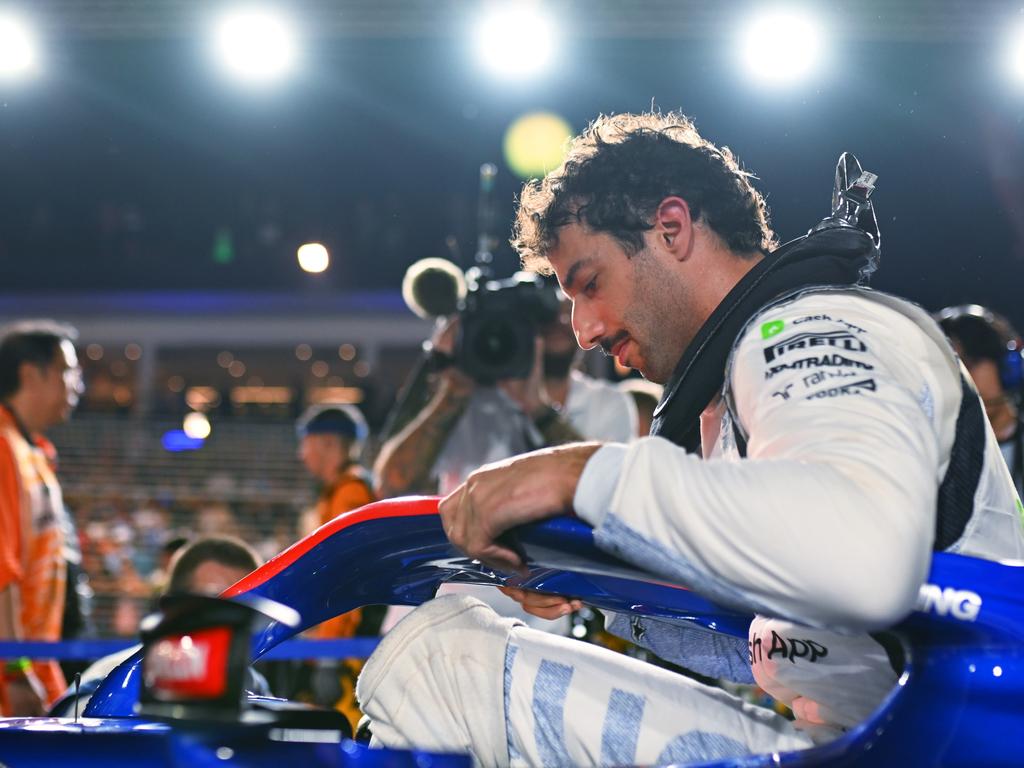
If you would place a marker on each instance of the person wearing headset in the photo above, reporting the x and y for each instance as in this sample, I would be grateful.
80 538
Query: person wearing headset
991 350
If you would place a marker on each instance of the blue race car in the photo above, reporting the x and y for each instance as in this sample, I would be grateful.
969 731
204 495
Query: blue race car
959 701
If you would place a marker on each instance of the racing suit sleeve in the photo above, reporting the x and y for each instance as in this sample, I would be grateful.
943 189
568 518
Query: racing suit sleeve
830 518
709 653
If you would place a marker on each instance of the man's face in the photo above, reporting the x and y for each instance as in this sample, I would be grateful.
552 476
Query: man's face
321 454
633 307
58 386
989 384
986 378
212 578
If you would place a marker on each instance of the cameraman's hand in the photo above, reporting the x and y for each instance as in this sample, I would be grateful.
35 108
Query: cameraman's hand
446 332
454 385
529 393
542 604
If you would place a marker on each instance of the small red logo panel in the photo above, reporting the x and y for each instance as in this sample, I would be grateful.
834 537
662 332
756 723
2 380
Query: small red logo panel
189 666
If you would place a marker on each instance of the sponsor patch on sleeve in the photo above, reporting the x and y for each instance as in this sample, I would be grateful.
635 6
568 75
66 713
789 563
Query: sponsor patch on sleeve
825 341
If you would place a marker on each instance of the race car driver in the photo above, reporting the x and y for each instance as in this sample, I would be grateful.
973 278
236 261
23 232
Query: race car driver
815 443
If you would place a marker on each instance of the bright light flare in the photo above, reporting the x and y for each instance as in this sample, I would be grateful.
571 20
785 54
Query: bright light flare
18 52
196 426
1015 54
782 46
536 143
255 45
313 257
516 40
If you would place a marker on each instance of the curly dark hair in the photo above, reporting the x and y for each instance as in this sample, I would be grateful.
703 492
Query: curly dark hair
615 176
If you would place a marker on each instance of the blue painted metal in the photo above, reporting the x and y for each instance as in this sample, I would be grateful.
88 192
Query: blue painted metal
959 702
42 742
357 647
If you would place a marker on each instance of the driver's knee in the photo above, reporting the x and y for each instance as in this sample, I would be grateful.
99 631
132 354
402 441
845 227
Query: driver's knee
437 675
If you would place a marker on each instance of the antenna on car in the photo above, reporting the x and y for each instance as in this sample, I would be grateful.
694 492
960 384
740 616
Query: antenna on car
78 685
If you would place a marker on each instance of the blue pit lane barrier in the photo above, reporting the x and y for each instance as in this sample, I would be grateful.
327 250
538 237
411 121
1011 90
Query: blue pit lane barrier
89 650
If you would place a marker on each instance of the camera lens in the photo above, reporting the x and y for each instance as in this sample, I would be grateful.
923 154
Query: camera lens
496 342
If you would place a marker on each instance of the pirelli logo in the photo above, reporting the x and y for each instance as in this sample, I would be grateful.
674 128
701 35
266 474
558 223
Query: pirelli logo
843 340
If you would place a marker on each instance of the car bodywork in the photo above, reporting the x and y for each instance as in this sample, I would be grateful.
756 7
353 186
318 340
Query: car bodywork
957 702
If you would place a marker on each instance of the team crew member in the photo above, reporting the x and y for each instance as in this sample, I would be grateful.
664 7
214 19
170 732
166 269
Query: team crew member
990 348
330 439
794 470
40 383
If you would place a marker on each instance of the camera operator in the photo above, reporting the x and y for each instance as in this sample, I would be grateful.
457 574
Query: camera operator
466 424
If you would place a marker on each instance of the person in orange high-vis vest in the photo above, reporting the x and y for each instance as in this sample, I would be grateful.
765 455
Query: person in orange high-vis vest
40 383
329 440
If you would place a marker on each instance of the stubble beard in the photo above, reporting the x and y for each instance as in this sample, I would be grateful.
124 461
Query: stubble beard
659 313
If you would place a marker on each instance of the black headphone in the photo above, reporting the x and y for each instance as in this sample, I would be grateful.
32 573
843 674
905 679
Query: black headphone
1010 357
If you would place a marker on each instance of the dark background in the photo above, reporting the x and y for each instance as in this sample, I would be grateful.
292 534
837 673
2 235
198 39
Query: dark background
119 167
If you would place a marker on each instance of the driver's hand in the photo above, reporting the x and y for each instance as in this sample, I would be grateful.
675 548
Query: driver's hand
542 604
26 696
506 494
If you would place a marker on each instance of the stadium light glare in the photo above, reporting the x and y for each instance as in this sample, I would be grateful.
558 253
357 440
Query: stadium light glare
18 52
196 426
536 143
781 46
516 40
1015 54
256 45
313 258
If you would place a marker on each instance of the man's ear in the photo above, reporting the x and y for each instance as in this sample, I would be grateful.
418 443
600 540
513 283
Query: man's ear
673 227
30 376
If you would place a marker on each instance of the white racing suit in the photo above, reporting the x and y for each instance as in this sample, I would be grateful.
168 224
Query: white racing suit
848 401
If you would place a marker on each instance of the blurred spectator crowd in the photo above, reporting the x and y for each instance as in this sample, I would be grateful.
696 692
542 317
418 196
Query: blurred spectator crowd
130 498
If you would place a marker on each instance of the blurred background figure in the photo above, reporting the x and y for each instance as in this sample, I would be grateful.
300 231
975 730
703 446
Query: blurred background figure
991 350
465 424
160 577
331 438
205 566
40 383
210 564
646 396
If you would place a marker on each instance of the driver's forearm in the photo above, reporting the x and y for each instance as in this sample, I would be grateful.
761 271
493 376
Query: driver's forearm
405 461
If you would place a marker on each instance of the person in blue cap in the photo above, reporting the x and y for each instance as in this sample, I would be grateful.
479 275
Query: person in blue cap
330 439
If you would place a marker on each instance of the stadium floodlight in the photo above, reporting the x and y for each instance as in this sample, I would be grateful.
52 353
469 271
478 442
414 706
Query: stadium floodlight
313 257
516 39
196 425
256 45
18 53
781 46
1015 54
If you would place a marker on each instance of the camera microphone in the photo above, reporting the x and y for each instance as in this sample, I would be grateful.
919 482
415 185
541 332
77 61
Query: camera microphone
433 288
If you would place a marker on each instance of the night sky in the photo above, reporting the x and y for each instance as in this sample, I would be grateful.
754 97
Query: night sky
118 170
